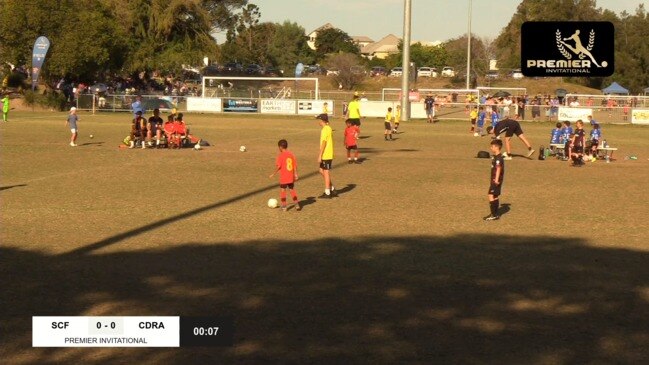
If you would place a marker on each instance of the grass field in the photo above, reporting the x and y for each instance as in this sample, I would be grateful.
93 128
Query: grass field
399 269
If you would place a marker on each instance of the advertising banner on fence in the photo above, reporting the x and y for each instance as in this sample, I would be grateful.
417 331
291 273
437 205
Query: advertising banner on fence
41 46
278 106
640 116
314 107
240 105
212 105
574 114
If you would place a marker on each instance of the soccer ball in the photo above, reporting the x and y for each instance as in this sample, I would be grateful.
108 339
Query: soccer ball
272 203
197 146
91 136
476 134
242 148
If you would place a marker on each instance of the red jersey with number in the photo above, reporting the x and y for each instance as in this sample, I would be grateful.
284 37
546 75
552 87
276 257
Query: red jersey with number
287 164
351 133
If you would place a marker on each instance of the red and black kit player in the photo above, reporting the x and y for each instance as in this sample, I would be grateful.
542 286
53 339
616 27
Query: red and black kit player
496 182
286 165
351 138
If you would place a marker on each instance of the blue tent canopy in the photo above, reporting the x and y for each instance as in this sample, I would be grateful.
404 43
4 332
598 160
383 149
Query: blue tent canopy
615 88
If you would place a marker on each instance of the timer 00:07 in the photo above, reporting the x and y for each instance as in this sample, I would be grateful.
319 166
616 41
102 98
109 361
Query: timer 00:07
202 331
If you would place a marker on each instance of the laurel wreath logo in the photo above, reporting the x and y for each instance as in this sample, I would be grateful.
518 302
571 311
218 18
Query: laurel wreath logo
563 51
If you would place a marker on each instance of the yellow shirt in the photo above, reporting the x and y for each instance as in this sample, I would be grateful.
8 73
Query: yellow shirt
473 114
388 117
325 136
325 109
397 116
354 108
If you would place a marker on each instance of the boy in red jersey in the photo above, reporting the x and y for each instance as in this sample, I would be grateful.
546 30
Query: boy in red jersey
286 164
351 136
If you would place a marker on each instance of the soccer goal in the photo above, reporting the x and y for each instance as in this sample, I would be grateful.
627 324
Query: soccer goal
513 91
260 87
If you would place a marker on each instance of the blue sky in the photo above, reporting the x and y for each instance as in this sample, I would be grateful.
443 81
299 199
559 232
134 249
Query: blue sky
431 19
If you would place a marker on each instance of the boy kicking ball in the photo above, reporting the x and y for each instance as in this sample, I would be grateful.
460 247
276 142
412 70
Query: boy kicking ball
286 165
497 175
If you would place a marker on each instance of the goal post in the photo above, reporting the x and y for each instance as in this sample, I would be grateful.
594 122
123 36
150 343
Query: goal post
261 87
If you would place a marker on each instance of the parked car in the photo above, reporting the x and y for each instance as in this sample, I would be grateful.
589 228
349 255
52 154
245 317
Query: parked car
426 72
516 74
358 70
315 70
396 72
233 68
254 70
273 72
378 71
448 72
491 75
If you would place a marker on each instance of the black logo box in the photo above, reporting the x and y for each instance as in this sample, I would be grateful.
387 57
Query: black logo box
567 49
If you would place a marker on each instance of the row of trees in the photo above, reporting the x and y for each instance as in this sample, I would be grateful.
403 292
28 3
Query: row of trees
92 38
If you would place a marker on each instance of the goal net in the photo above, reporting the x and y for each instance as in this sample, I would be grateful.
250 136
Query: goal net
260 87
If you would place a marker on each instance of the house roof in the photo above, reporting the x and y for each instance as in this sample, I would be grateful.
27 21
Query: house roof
323 27
362 38
388 44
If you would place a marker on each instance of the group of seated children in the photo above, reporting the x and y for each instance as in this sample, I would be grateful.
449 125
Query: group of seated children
172 133
575 146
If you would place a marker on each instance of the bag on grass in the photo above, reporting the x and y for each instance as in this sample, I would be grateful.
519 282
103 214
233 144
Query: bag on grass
483 154
542 153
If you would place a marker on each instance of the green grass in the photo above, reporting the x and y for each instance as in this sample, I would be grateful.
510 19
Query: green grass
399 269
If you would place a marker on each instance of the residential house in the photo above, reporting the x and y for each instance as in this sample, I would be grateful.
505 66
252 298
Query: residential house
314 35
382 49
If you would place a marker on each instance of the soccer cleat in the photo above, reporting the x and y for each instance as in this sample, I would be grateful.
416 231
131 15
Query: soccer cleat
507 158
284 209
298 207
530 153
491 218
72 144
325 196
505 154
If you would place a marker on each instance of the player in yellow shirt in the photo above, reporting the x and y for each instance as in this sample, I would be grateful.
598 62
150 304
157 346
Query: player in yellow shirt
325 157
397 119
388 125
354 111
473 116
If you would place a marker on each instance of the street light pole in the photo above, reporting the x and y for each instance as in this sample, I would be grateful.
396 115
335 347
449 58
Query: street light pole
405 62
468 49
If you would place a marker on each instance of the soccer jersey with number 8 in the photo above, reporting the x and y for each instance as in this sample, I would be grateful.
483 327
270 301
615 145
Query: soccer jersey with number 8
287 164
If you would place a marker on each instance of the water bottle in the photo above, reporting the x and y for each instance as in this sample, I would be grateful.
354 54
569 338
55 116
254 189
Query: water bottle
604 144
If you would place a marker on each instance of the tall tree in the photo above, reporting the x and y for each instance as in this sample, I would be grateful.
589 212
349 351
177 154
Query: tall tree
333 40
288 47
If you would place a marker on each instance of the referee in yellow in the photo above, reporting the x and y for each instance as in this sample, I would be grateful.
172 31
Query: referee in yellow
354 111
326 156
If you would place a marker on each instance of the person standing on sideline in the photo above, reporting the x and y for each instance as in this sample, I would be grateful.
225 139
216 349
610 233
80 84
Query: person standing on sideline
325 157
73 118
137 106
5 108
354 111
429 106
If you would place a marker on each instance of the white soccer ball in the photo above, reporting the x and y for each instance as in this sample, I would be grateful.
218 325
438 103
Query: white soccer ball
242 148
91 136
272 203
197 146
476 134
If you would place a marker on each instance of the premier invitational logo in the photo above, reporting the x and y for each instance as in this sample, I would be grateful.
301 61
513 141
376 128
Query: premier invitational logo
567 49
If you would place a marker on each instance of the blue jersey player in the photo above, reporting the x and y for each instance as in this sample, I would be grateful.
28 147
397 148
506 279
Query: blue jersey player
555 137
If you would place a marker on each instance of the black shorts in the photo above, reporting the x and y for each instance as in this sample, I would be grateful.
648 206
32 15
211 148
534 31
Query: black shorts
495 189
517 130
388 126
594 143
355 121
326 164
578 149
473 121
354 147
284 186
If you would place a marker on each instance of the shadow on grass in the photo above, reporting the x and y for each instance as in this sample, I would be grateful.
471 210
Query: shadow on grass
11 186
504 209
369 300
91 144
